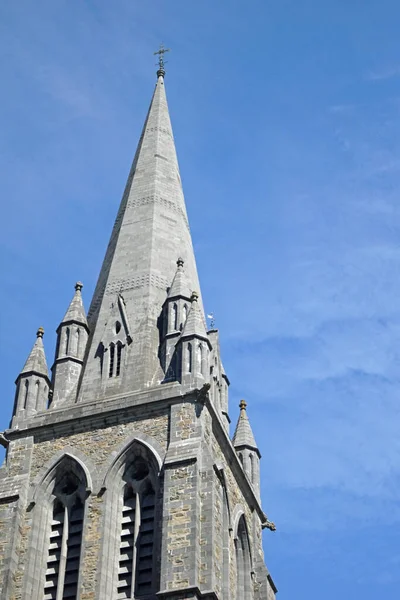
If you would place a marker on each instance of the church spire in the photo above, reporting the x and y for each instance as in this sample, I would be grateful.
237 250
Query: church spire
150 234
32 383
36 362
246 447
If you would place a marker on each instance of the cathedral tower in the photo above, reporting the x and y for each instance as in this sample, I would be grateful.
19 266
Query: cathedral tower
120 479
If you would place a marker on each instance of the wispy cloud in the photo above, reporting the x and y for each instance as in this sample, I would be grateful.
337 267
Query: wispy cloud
383 73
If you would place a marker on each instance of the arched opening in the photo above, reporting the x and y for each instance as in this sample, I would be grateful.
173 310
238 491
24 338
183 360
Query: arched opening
135 573
111 360
175 316
200 358
119 358
67 340
37 394
132 526
184 315
56 536
252 467
77 341
26 393
243 562
189 358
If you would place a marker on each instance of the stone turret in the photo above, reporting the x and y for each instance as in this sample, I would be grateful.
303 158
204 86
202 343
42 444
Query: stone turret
194 347
175 312
246 447
72 336
32 383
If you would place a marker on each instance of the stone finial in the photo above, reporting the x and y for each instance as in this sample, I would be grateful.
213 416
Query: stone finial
180 262
243 405
78 286
194 297
40 332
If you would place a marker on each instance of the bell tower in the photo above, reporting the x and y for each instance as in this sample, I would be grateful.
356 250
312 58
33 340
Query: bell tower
121 480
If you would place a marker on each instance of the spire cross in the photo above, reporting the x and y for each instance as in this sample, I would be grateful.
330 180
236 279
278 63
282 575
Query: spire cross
161 62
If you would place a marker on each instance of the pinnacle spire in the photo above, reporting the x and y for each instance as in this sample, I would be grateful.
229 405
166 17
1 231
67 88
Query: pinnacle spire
243 436
194 325
180 285
150 231
76 310
36 361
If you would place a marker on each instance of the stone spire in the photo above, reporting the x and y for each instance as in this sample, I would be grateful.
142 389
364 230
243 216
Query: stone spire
180 287
36 361
151 230
195 326
72 337
32 383
243 436
76 311
246 448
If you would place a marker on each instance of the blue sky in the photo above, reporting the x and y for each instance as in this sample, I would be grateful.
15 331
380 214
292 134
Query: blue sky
286 119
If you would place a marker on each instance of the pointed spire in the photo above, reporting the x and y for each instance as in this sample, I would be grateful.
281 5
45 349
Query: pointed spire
36 361
243 436
76 311
194 325
150 231
180 287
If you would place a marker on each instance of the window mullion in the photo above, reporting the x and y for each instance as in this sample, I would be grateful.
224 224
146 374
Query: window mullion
135 545
63 556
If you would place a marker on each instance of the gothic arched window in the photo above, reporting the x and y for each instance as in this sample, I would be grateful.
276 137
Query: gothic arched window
67 340
111 360
189 357
37 394
175 316
57 527
243 562
26 392
252 468
77 341
132 526
200 359
119 358
135 571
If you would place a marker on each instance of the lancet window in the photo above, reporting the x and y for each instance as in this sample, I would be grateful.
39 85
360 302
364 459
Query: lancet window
135 574
57 527
189 357
115 359
243 562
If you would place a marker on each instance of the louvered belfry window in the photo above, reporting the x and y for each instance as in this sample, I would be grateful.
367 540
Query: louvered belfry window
64 550
135 574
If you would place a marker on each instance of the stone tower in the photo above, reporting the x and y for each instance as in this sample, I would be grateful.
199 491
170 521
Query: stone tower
120 479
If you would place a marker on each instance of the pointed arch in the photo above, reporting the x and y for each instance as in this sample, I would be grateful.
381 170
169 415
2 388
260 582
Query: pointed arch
175 316
111 360
77 342
131 521
57 529
189 358
244 587
200 355
26 394
67 340
252 468
37 394
119 359
185 311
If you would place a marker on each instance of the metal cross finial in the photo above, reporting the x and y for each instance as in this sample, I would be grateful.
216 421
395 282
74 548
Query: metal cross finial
161 61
